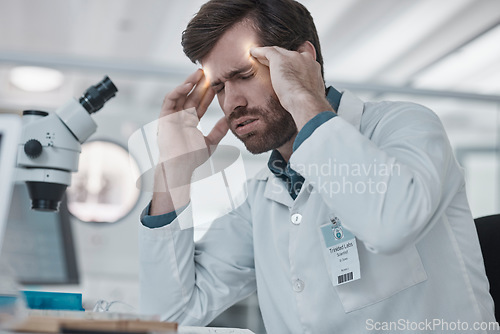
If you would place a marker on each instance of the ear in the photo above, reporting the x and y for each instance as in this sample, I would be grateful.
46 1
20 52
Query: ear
309 48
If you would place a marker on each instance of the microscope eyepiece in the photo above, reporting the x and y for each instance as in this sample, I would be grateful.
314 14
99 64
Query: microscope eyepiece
95 96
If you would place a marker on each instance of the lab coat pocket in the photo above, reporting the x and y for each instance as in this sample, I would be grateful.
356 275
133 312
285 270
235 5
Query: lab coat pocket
382 276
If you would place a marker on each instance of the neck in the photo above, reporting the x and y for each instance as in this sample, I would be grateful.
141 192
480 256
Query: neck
286 149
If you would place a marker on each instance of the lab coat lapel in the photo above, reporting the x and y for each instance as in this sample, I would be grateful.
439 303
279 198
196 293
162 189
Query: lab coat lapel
350 109
276 191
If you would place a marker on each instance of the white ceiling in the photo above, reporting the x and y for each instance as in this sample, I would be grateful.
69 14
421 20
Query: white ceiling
378 48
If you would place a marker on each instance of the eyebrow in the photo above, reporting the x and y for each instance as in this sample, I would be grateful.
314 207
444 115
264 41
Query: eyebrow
232 74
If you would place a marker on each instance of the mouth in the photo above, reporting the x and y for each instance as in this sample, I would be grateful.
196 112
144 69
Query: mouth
245 125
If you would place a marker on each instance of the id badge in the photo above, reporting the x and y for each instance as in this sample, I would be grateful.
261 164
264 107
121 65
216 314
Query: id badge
342 252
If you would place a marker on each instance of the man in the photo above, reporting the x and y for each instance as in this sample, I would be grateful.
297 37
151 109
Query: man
360 220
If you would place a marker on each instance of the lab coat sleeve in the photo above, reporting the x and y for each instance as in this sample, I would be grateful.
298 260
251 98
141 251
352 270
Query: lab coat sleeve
192 284
387 183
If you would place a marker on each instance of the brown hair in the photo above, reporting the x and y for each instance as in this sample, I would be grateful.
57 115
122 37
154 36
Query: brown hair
284 23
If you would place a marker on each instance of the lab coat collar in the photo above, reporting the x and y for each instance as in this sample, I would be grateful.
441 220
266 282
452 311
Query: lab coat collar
351 109
333 96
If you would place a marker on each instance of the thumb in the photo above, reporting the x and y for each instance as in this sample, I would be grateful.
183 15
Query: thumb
261 54
218 132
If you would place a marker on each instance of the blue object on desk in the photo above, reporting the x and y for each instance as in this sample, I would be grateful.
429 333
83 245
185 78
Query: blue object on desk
42 300
7 300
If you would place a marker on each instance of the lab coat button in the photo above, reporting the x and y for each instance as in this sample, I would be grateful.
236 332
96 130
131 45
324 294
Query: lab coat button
296 218
298 285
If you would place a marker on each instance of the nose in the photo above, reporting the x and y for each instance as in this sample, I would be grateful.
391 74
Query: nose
234 97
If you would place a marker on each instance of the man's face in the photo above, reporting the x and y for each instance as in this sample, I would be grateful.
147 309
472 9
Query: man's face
245 93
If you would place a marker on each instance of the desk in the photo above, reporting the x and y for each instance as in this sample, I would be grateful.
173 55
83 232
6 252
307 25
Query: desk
193 330
47 324
211 330
53 321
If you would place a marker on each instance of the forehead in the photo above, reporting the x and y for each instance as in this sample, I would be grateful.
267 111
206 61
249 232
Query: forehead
231 52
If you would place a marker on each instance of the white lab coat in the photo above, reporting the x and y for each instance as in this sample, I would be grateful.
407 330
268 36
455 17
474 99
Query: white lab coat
420 259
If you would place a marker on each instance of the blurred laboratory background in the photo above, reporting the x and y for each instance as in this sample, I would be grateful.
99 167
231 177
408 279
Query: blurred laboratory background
443 54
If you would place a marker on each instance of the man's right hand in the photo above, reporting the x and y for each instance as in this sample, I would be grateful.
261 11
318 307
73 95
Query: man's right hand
182 146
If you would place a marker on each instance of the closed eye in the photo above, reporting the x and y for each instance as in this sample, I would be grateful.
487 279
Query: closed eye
219 88
248 76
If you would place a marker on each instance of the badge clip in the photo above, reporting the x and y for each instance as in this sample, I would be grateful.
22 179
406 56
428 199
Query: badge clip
338 233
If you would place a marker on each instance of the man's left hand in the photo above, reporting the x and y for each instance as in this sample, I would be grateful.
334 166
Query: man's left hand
297 81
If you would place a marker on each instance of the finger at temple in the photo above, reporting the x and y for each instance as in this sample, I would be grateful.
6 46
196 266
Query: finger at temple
194 77
205 102
190 81
261 54
196 96
176 98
